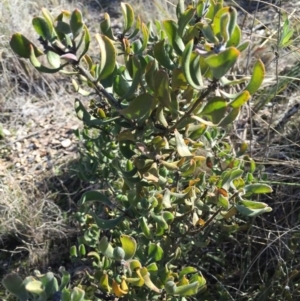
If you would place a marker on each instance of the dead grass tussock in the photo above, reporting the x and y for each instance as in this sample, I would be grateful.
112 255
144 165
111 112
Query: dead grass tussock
28 218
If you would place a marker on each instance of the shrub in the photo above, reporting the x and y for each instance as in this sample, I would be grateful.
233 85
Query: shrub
155 136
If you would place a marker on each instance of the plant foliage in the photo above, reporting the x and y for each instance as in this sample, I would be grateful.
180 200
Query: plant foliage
161 98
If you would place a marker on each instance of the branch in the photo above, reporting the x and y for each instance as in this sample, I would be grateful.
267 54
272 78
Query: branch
99 88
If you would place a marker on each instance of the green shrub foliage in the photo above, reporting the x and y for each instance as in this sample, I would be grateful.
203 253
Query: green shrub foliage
161 96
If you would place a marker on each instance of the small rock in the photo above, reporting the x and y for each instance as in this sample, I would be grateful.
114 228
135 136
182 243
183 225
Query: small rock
66 143
37 158
54 141
6 132
18 146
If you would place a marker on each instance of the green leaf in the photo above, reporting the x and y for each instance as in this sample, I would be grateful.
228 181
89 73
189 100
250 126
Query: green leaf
187 290
107 55
95 196
216 25
162 56
77 294
148 281
243 46
37 65
161 224
178 80
65 295
220 63
129 246
36 287
232 21
49 282
145 227
125 147
84 39
128 16
182 148
105 27
162 90
21 46
252 210
235 40
171 29
257 188
224 32
62 28
240 100
145 34
230 117
73 251
14 284
191 66
87 118
187 270
155 252
229 176
253 204
150 70
184 20
105 247
215 109
76 23
196 62
42 28
49 19
107 224
257 77
134 67
120 85
180 8
170 287
140 108
65 279
53 59
223 201
286 34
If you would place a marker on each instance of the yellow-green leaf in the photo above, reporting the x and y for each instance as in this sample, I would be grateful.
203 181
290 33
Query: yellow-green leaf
148 281
187 290
108 56
230 117
250 212
240 100
215 109
257 77
128 16
105 247
221 62
155 252
76 23
257 188
129 246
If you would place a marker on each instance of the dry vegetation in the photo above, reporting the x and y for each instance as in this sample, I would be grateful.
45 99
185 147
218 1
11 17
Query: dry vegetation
37 148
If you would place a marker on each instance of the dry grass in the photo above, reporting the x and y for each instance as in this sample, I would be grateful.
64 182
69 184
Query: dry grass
30 219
